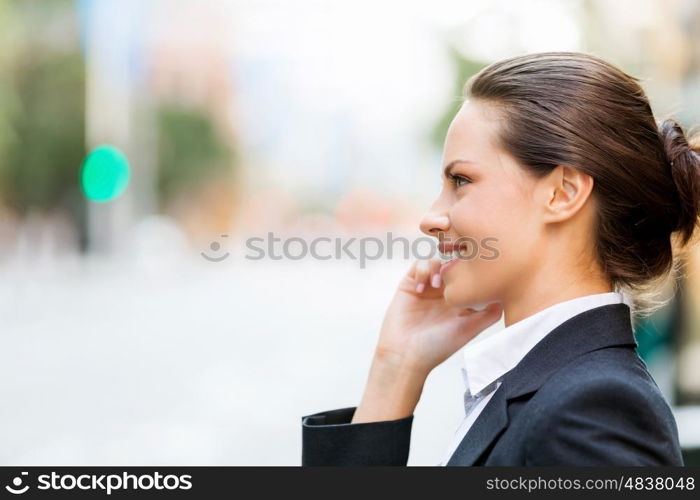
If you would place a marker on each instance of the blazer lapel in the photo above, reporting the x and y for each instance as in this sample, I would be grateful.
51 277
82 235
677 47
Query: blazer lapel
488 425
597 328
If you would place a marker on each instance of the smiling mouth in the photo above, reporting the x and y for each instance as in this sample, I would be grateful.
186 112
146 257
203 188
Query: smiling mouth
454 254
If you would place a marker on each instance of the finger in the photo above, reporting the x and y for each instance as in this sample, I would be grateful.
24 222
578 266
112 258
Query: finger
412 270
435 278
422 274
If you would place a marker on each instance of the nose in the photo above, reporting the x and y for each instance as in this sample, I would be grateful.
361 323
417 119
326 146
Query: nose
435 222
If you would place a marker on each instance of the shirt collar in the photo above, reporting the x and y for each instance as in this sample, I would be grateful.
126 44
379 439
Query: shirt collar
496 351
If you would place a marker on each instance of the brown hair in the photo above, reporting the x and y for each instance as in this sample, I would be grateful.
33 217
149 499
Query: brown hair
575 109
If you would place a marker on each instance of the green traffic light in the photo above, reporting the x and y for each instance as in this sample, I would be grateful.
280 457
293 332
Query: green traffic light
105 174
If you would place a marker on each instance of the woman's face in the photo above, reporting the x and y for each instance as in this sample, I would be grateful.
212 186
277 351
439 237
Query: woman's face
488 202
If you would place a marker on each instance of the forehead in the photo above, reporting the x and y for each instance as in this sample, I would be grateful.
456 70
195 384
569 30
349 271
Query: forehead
472 133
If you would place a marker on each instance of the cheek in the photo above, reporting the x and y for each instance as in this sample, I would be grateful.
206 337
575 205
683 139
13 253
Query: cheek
504 215
483 212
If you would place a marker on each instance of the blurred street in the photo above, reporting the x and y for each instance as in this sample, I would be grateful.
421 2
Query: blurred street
95 375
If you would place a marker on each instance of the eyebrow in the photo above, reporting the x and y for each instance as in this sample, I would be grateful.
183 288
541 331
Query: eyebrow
448 169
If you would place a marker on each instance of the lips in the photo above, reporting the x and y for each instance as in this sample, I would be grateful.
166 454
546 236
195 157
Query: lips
449 252
447 265
444 247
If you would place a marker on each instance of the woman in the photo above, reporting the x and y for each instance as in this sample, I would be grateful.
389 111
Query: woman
556 157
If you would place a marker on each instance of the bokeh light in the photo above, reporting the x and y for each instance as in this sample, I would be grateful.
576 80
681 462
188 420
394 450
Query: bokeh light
105 174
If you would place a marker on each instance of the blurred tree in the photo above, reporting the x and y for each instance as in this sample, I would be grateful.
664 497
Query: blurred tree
43 154
43 110
464 68
190 153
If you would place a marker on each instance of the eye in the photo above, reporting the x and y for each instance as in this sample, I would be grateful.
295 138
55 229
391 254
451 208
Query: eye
455 179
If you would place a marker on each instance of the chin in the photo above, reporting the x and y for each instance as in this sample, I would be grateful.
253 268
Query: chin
463 301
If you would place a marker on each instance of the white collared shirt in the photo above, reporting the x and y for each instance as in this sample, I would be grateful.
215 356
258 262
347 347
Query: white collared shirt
494 352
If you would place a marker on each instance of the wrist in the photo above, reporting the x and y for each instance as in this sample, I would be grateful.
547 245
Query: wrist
392 392
392 363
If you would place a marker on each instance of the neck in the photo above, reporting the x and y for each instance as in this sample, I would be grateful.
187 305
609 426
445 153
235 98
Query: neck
542 293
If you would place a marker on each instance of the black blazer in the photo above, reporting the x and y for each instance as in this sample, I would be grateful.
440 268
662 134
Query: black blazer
582 396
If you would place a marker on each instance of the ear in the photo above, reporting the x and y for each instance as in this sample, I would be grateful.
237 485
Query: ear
567 190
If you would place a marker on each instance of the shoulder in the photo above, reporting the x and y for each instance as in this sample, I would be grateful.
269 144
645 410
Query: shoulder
610 372
602 408
605 375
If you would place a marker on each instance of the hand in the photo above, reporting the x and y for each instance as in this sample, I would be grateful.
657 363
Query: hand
420 330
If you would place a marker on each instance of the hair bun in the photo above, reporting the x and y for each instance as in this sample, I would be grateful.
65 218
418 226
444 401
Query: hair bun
674 139
685 168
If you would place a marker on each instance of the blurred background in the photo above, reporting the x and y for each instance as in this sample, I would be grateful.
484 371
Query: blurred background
143 142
